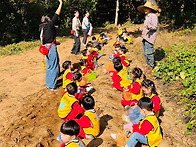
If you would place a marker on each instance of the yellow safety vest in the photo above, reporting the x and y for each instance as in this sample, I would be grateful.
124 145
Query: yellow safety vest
120 31
65 106
95 125
65 80
154 136
129 41
139 95
158 112
75 143
125 79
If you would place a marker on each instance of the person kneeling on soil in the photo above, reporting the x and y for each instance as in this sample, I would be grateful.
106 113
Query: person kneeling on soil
69 107
89 123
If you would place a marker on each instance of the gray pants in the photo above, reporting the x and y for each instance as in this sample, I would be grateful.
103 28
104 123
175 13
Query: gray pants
85 32
76 46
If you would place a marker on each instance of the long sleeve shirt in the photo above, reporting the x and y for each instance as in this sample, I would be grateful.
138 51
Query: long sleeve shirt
76 24
149 31
85 22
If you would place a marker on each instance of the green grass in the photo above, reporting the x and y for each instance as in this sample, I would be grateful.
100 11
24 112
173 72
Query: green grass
18 48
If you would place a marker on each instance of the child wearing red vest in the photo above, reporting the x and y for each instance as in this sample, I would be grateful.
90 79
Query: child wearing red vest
148 130
89 58
67 76
69 107
68 136
134 89
89 122
149 90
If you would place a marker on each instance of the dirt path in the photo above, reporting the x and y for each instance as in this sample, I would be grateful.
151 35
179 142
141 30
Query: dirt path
28 112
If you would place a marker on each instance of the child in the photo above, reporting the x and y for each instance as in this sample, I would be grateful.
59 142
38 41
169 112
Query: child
122 42
69 107
123 74
120 30
67 76
117 42
102 41
123 57
114 75
89 123
149 90
83 63
134 89
94 42
89 58
68 136
116 52
148 130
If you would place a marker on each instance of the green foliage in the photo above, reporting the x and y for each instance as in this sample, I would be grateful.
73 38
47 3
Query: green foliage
180 65
17 48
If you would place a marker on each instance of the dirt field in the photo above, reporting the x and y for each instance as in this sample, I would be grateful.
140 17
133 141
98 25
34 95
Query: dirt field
28 112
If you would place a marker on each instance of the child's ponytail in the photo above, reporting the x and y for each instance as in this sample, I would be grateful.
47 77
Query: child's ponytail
148 83
137 72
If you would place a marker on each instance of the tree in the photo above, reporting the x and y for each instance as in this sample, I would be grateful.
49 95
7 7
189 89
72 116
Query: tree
117 10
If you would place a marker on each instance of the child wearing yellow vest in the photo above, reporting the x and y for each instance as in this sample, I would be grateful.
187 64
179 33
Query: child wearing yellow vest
120 30
89 123
67 76
134 89
123 74
149 90
68 136
148 130
69 107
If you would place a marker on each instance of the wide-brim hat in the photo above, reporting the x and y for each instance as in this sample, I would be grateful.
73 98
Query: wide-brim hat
150 5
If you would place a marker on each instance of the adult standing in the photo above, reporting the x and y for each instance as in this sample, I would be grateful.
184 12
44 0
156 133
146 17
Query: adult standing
76 27
149 31
85 27
48 33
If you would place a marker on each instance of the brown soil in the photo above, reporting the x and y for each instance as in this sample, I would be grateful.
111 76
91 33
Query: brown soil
28 112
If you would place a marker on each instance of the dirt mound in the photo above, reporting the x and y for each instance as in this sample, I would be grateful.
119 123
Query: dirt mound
28 112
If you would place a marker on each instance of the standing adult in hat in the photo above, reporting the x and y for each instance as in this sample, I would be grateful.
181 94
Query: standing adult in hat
149 31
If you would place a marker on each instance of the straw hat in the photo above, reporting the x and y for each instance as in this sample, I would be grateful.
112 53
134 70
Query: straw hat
150 5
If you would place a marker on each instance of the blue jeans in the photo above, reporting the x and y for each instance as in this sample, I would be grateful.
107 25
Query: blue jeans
148 52
53 67
135 138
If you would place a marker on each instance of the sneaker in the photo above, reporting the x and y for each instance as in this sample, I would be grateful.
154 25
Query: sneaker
113 136
89 88
52 89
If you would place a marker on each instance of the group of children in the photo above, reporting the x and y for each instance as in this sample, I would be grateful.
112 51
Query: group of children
77 107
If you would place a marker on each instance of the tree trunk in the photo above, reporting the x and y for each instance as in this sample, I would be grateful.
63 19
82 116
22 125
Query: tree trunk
117 9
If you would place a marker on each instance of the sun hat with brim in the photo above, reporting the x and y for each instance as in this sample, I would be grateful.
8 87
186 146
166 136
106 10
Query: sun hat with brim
148 4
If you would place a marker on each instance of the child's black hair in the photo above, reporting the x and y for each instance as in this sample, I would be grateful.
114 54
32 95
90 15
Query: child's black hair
123 49
118 46
98 47
88 45
66 64
72 88
148 83
93 38
84 52
70 127
145 103
118 66
137 72
77 76
100 32
116 60
82 62
88 102
102 35
121 38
